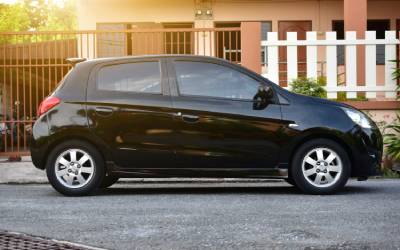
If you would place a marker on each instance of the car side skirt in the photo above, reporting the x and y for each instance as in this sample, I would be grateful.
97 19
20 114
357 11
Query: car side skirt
202 172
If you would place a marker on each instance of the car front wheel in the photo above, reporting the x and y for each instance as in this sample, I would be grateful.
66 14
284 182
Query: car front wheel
75 168
108 181
321 166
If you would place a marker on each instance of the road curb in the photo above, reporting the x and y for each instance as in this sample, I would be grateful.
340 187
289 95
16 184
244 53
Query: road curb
24 172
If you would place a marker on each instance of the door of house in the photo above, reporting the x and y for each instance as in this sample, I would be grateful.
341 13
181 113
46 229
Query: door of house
301 27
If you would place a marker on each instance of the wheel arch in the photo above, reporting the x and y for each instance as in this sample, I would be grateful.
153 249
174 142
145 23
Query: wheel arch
321 135
78 137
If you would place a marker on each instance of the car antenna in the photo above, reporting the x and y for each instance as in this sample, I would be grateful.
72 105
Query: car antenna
75 61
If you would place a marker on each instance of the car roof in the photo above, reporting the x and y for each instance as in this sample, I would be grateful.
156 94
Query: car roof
125 58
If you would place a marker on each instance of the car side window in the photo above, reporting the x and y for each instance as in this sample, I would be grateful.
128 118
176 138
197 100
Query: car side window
214 80
140 77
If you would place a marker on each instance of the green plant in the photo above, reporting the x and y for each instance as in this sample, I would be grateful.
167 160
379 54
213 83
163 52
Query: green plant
396 72
309 86
342 97
388 173
396 75
392 139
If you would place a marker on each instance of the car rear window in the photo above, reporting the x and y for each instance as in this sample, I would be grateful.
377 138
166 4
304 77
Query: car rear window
140 77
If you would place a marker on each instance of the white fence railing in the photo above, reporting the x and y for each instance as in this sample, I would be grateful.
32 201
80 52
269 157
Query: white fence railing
372 86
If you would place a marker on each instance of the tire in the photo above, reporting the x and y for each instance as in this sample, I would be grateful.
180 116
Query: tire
320 166
108 181
75 177
291 182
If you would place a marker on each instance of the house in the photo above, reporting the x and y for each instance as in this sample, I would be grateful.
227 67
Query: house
254 17
279 16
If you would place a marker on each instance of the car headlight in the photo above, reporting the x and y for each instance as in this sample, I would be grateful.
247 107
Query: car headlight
358 117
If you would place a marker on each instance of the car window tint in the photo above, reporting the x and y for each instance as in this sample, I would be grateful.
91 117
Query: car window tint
142 77
213 80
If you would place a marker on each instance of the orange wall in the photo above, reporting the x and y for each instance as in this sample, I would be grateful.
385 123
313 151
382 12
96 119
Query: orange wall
320 12
91 12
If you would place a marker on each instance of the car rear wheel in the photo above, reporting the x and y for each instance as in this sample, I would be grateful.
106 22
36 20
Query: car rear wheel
321 166
75 168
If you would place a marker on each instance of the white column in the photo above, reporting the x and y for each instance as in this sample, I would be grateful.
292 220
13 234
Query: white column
331 66
312 56
273 58
291 58
370 64
390 55
351 64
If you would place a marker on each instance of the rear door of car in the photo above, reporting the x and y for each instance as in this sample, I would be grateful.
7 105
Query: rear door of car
220 121
128 108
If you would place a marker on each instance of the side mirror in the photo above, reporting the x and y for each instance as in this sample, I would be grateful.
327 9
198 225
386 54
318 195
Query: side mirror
262 97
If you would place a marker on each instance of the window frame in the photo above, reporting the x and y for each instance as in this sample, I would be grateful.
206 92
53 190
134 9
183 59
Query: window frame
95 94
97 89
264 52
232 67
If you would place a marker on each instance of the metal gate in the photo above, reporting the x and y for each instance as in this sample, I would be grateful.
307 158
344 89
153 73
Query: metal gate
32 64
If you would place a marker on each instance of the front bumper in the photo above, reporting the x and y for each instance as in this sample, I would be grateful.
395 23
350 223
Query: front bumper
367 152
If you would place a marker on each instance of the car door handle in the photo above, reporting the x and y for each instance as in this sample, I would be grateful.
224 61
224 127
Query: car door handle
190 118
104 111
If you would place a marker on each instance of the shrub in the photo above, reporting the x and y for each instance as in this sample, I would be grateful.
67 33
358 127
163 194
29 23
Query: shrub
392 140
309 86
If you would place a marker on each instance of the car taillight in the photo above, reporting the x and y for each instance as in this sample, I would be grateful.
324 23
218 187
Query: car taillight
47 104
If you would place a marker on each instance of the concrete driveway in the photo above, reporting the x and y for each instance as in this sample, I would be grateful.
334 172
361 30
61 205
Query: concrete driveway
210 215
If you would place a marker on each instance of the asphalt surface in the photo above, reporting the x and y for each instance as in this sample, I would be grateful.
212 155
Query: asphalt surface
366 215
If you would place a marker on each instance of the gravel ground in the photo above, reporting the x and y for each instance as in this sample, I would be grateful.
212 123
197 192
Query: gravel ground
366 215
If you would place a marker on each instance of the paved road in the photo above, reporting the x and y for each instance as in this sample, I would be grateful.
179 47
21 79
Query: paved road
217 216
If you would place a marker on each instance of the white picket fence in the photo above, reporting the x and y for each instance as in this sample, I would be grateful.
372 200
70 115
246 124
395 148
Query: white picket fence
350 42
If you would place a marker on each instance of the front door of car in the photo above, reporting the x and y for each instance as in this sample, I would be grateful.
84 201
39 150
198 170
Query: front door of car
128 106
226 118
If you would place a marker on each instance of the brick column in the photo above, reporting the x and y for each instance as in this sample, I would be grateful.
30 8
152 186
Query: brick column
251 45
355 19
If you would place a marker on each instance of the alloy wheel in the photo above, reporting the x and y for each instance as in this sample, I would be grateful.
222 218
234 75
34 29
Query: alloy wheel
74 168
322 167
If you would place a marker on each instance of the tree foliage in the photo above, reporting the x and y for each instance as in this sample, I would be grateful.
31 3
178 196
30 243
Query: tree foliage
38 15
14 18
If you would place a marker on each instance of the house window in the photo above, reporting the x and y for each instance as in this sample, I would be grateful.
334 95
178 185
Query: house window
338 26
380 26
178 42
111 44
228 42
142 43
265 28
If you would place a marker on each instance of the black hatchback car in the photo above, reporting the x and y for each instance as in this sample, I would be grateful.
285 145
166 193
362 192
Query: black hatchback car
192 116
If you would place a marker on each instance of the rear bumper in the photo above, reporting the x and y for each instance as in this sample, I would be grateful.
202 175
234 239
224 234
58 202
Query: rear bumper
37 156
39 143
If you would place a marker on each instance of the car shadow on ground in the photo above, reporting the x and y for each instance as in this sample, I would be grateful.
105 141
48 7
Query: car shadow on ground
185 190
